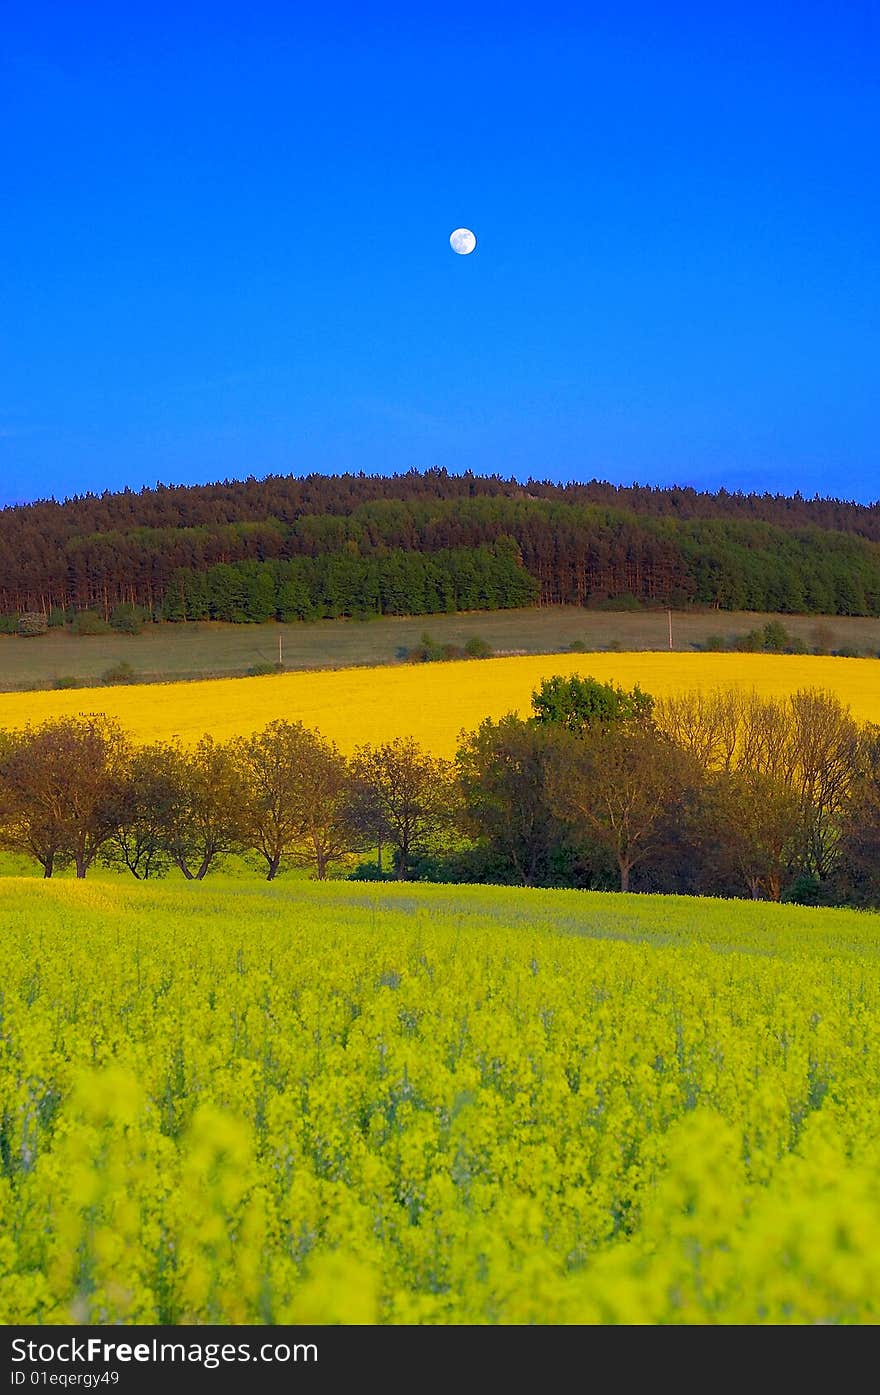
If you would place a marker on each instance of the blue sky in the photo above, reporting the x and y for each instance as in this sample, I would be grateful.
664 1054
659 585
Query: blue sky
224 243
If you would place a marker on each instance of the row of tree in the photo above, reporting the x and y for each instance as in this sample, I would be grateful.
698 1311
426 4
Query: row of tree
549 554
721 794
344 583
580 544
77 790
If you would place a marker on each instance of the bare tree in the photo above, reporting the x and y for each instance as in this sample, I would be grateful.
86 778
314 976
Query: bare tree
859 867
753 823
793 760
706 724
825 745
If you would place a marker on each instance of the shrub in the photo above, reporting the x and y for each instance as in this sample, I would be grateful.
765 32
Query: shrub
752 642
89 622
425 652
128 619
477 648
261 670
65 680
713 644
8 624
614 646
369 872
577 646
848 651
808 890
32 623
775 637
57 617
119 673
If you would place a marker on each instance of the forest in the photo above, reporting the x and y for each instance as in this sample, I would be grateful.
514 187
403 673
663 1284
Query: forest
346 545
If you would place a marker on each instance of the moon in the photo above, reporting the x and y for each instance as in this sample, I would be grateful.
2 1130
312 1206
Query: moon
462 241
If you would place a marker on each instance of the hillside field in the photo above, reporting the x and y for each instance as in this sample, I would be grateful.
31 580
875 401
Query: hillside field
209 650
432 702
443 1105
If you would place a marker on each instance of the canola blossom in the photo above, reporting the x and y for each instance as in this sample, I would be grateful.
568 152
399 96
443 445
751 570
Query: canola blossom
344 1103
431 702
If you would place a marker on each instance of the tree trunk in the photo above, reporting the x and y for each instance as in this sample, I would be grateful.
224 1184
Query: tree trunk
81 868
625 869
273 867
48 865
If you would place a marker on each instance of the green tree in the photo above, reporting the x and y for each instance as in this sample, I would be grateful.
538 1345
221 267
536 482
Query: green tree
577 703
503 769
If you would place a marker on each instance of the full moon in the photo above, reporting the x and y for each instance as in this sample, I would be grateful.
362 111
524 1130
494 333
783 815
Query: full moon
462 241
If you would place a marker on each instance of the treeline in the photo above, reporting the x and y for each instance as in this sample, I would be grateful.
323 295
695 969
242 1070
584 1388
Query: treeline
723 794
581 544
342 583
75 791
534 553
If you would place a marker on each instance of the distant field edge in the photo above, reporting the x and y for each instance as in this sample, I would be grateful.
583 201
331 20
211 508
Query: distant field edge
206 650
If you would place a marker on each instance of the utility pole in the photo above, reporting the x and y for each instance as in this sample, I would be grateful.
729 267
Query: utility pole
280 655
669 618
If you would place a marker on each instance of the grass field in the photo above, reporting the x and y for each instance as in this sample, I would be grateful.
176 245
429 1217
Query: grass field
432 702
210 650
422 1104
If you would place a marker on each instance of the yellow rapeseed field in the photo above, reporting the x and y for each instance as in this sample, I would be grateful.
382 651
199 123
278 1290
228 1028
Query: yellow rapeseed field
431 702
435 1104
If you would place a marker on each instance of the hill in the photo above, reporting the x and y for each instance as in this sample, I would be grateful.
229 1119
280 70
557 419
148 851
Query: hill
304 548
